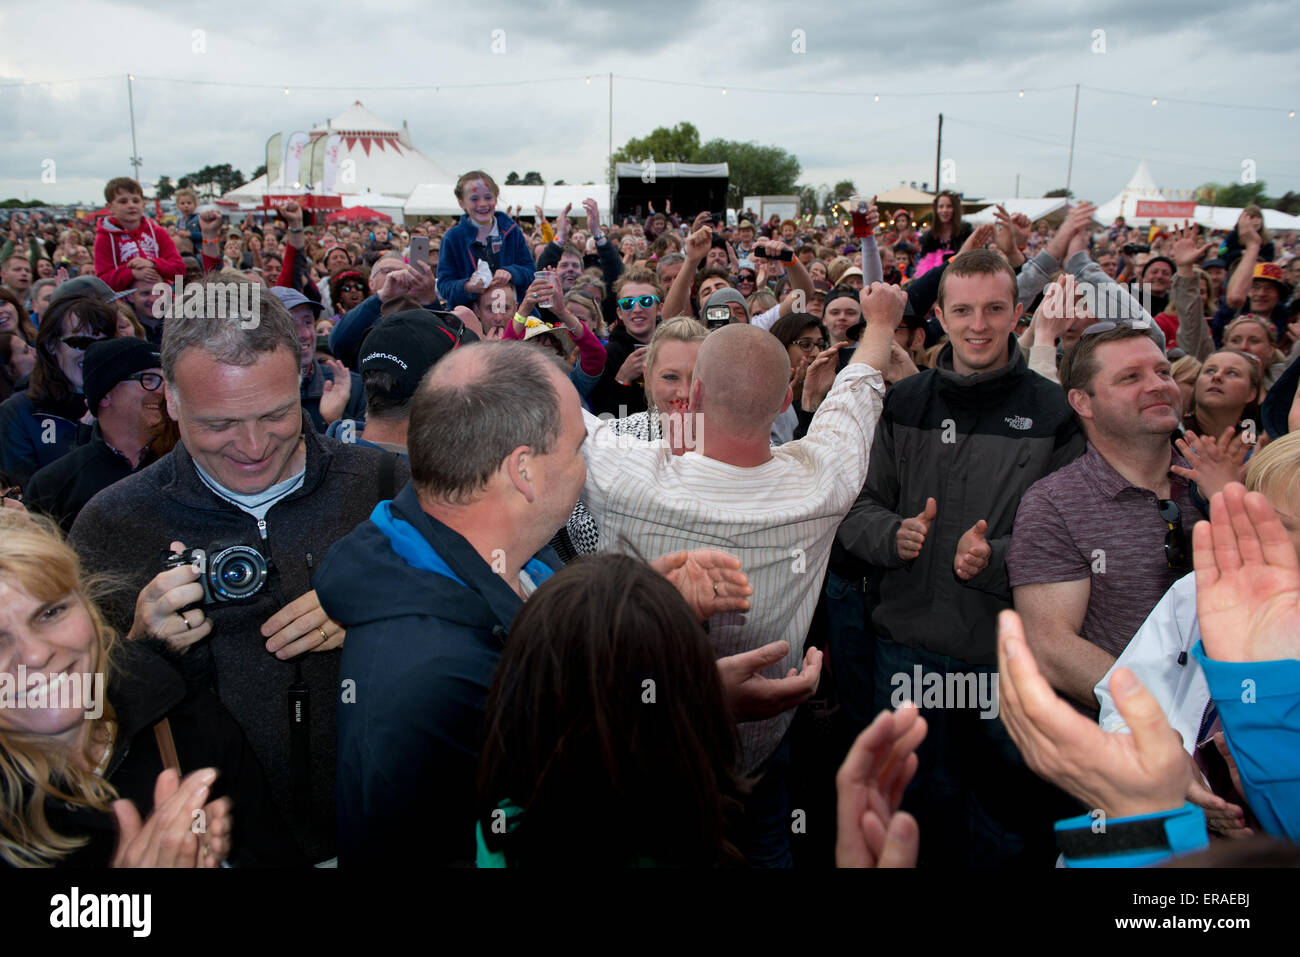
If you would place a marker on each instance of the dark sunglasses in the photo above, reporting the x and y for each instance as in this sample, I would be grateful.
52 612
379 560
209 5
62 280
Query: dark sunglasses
150 381
1176 536
351 287
80 343
807 344
645 302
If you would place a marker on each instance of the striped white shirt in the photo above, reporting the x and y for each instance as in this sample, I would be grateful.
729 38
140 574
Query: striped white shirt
778 518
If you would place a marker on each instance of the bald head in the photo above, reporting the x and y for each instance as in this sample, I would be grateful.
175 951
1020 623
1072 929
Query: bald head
745 375
473 408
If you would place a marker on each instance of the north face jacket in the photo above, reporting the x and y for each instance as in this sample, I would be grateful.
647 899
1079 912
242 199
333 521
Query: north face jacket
975 444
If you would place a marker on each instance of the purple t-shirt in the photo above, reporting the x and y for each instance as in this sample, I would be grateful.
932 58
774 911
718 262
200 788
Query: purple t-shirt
1087 521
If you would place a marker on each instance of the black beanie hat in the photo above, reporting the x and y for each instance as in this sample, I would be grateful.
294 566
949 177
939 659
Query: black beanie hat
109 361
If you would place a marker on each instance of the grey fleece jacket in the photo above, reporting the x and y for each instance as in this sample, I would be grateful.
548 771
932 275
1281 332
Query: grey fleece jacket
124 531
975 444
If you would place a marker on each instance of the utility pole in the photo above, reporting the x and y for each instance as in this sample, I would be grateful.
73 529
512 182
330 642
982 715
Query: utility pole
613 173
135 154
938 150
1017 186
1074 123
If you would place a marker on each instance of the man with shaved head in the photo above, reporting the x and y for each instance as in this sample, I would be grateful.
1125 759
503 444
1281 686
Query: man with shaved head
776 509
494 438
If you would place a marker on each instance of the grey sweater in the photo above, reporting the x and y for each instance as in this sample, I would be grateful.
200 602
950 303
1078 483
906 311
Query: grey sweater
124 531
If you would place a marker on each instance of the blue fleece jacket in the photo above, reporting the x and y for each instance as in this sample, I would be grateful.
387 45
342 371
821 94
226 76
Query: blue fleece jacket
456 261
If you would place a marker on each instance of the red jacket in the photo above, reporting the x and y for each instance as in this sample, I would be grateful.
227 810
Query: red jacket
115 247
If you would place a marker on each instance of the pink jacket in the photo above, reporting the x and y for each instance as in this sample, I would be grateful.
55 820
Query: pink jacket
115 247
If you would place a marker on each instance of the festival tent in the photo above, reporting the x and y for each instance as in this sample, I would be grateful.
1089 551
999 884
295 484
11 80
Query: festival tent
1141 201
1051 209
358 214
362 154
1225 217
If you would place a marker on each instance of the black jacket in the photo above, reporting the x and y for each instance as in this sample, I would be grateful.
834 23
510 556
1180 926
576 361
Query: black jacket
975 444
62 488
145 689
609 396
124 531
420 655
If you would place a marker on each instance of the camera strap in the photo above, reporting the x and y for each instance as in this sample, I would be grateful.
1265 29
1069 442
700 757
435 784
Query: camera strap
299 701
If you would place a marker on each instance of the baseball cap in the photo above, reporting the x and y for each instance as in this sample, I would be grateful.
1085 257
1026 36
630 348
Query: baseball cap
1273 273
406 345
1216 262
292 297
108 361
91 286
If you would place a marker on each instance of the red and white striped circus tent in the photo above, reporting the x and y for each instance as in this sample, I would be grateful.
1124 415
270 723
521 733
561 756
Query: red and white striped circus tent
355 153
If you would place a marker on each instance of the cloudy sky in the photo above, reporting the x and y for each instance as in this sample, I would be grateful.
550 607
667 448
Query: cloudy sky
800 76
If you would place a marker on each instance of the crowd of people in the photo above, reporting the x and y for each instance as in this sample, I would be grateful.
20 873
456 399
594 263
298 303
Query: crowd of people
514 542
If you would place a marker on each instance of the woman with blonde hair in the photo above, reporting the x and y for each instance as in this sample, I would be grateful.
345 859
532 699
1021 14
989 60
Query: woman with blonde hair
95 735
669 364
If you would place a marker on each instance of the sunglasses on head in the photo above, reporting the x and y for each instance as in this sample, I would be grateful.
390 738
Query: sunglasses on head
645 302
1176 536
80 343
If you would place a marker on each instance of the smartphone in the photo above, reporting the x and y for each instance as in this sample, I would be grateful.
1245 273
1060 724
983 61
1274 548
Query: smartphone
418 250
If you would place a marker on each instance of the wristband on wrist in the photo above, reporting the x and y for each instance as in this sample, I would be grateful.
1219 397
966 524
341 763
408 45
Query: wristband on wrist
1091 840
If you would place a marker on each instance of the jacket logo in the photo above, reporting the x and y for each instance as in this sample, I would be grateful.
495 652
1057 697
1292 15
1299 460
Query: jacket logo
1020 422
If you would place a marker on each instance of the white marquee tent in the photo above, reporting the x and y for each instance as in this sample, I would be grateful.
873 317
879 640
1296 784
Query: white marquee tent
439 199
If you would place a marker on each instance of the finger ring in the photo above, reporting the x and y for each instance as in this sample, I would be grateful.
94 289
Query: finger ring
715 589
324 636
188 626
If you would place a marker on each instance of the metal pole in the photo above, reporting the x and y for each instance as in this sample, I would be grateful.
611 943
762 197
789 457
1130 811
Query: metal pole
130 99
1074 123
938 149
613 173
1017 186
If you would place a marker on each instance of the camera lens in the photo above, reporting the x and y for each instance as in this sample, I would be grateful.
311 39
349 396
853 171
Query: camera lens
237 572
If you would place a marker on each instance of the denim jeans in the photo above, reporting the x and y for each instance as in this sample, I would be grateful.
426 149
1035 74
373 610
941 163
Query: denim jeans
765 833
977 803
851 649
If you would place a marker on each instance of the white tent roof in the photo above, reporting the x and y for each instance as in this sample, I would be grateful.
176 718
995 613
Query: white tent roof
439 199
1035 209
382 157
905 196
1141 186
1225 217
676 170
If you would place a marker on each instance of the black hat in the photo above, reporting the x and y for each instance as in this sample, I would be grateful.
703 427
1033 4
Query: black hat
1173 267
109 361
406 345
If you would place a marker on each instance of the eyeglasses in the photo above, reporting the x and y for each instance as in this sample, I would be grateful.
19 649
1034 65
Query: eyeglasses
350 287
150 381
808 344
645 302
1176 536
80 343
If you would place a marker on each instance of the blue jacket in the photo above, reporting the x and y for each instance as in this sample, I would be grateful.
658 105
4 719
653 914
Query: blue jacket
26 431
456 263
1259 705
345 338
421 651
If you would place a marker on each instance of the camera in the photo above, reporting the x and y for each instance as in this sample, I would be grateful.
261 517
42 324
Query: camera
1133 249
715 317
228 573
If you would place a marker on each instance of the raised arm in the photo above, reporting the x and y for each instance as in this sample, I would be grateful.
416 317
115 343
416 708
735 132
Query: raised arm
678 300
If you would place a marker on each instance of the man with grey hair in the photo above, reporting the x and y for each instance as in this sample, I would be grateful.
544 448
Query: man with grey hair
246 473
494 440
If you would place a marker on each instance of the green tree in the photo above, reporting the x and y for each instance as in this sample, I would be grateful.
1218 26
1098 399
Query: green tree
1288 202
533 178
1066 193
754 170
512 178
165 188
560 182
213 180
681 144
1232 194
843 190
260 171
